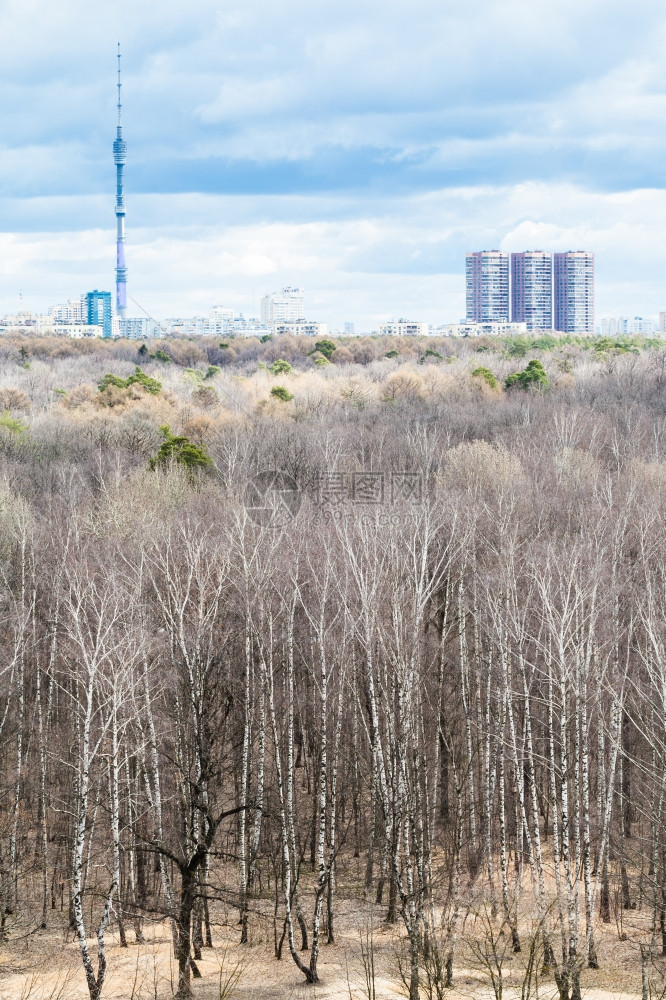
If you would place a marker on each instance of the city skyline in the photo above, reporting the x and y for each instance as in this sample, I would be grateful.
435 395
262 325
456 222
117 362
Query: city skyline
249 174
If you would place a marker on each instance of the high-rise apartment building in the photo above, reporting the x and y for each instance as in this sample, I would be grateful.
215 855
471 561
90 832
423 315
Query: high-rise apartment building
532 289
283 306
487 281
574 291
98 310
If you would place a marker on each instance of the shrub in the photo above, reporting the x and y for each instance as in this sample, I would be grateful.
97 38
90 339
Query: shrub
392 354
404 384
180 449
533 375
13 399
281 367
115 380
605 344
11 424
279 392
80 396
205 396
486 375
546 342
325 347
478 467
151 385
518 347
431 354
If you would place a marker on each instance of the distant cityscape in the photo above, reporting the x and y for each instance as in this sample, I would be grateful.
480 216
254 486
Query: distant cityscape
506 293
505 297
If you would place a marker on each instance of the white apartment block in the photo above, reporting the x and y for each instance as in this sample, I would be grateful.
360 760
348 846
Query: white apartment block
303 329
24 321
220 323
251 328
75 330
403 328
285 306
49 326
136 328
74 311
197 326
221 314
613 326
618 326
481 330
644 325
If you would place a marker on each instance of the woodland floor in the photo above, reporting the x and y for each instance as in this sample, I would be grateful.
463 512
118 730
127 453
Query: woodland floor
46 965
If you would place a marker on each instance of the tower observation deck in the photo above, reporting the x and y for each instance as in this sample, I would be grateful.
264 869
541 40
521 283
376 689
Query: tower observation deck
119 157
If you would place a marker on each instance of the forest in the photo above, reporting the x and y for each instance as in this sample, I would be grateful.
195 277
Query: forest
343 659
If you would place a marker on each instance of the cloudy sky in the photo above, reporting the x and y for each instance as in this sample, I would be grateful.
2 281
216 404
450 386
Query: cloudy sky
355 148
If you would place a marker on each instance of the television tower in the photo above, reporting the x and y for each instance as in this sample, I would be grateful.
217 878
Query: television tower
119 156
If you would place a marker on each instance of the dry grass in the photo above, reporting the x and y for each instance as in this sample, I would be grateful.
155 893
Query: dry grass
46 965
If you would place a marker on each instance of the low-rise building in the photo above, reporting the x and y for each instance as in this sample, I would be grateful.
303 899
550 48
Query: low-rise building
48 326
136 328
644 325
305 328
620 326
403 328
75 330
480 330
220 323
196 326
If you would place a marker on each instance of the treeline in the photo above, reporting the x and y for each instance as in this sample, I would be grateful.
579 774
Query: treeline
245 353
434 646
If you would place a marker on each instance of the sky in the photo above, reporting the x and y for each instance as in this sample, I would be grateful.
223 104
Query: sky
356 149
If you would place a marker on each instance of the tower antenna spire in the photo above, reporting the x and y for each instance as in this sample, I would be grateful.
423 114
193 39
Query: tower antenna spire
120 119
119 157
